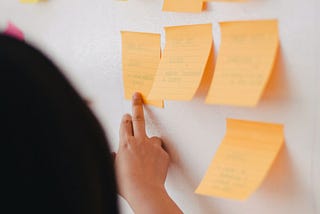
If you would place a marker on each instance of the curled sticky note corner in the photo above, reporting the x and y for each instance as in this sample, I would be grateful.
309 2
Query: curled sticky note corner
243 159
141 54
183 62
245 62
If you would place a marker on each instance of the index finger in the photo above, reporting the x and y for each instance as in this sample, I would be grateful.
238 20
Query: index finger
139 129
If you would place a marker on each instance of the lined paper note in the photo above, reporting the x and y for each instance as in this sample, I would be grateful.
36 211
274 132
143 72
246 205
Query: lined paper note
140 59
242 160
207 75
192 6
183 62
246 58
13 31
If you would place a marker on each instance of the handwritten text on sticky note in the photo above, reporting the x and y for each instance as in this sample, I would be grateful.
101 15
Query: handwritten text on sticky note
242 160
183 63
245 61
140 59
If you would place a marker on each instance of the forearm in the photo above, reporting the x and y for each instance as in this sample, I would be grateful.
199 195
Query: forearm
153 201
142 166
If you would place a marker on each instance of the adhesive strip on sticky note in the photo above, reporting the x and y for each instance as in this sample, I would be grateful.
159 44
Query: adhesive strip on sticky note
245 62
242 160
13 31
140 59
183 63
191 6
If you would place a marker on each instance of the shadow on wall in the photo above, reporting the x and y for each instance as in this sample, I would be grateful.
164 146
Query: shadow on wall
179 177
281 180
182 178
207 76
278 89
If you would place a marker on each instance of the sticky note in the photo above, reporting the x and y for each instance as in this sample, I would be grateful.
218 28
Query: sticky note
207 75
13 31
140 59
183 63
192 6
242 160
245 61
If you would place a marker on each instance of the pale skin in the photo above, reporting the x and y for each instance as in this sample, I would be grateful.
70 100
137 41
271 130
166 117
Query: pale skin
141 166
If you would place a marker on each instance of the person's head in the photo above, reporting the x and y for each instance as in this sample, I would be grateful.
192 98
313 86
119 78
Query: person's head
54 155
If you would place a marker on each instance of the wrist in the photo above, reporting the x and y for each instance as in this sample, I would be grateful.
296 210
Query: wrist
137 193
148 199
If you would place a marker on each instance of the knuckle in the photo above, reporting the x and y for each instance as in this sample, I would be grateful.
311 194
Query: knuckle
166 156
138 117
128 142
142 139
156 139
131 140
124 145
126 118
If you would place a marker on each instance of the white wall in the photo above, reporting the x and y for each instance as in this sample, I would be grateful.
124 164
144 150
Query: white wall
83 38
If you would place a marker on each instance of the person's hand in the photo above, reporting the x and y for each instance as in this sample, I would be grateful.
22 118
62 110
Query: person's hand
141 162
141 165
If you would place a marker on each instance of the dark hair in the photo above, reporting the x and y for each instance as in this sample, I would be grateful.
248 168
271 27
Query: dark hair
54 154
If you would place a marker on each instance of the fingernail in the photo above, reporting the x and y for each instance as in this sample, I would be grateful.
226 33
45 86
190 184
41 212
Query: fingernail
136 96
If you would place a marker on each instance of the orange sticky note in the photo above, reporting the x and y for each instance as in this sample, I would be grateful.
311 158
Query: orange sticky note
140 59
183 63
242 160
191 6
245 61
